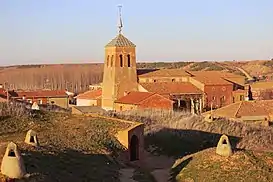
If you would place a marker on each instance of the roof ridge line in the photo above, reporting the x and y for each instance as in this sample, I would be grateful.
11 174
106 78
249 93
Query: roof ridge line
238 108
152 93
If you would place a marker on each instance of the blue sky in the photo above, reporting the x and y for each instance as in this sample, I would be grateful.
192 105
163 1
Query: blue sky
75 31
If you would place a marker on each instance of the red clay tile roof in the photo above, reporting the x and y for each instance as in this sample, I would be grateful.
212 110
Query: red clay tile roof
211 80
39 93
3 92
91 94
217 77
163 88
167 73
245 108
134 97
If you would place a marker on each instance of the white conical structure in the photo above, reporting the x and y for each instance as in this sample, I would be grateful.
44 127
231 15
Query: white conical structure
224 147
12 163
31 138
35 106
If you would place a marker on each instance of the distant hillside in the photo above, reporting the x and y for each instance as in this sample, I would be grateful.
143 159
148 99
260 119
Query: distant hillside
77 77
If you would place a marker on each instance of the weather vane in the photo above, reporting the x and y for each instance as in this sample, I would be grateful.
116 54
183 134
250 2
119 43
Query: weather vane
120 19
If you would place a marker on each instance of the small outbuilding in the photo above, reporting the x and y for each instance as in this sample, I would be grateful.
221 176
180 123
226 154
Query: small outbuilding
31 138
224 147
12 163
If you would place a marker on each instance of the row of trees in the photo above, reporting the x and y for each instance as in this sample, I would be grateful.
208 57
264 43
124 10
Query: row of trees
76 78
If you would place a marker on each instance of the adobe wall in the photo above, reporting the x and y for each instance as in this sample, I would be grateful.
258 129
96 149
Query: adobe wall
124 107
218 91
125 136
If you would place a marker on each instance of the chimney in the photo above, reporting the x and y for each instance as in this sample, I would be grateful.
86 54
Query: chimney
125 93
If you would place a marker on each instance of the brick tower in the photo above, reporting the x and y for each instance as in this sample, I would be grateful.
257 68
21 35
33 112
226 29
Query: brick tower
120 74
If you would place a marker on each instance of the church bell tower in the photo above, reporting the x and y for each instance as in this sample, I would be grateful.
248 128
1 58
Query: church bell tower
120 75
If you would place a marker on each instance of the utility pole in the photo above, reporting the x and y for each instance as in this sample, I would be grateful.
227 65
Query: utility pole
7 91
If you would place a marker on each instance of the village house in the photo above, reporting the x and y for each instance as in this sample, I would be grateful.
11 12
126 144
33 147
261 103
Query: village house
89 98
186 96
239 95
55 97
164 75
246 111
217 86
261 90
143 100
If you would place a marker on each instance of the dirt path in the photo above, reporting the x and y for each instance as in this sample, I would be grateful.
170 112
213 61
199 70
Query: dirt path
159 166
126 175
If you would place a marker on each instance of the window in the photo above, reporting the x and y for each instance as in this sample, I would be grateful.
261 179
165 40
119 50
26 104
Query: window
233 99
213 98
224 88
129 60
120 60
40 102
120 108
223 98
29 101
242 97
173 80
108 59
154 80
112 60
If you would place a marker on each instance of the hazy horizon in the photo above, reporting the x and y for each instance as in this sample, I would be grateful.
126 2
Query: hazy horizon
74 32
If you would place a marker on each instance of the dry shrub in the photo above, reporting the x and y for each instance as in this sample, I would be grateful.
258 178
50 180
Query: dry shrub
13 109
251 136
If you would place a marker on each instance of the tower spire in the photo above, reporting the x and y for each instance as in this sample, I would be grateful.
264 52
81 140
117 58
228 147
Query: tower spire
120 25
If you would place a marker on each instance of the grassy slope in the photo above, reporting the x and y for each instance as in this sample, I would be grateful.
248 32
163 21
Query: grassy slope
183 136
208 166
73 148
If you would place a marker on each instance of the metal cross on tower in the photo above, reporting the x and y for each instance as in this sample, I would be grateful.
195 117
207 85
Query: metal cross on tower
120 25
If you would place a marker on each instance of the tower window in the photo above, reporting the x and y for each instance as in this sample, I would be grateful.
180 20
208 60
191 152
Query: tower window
129 60
108 57
112 60
120 60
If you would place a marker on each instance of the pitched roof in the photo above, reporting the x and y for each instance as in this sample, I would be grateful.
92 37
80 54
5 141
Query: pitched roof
245 108
120 41
39 93
211 80
262 85
217 77
213 73
134 97
89 109
3 92
166 73
171 88
90 94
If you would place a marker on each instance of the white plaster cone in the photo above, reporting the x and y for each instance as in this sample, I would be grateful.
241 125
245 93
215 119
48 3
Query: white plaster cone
35 106
224 149
31 138
12 162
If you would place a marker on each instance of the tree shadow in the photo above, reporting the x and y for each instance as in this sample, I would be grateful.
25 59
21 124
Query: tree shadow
68 165
176 170
178 143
